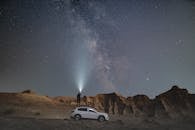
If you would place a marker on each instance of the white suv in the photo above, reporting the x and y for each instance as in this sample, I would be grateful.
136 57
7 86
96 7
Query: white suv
88 113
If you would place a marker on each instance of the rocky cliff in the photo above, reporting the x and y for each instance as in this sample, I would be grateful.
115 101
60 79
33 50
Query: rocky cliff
174 103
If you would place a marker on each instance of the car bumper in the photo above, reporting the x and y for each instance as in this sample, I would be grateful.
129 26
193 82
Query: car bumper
107 118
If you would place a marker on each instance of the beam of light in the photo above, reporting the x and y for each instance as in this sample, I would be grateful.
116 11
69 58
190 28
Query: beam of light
80 85
88 53
82 64
83 45
82 57
89 37
81 74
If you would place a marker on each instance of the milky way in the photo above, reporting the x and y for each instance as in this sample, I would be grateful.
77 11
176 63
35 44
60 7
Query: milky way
127 46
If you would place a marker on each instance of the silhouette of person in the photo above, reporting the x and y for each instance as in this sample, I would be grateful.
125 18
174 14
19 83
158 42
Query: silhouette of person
85 99
78 98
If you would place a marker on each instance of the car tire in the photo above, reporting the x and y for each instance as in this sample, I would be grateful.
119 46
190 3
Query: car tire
101 118
77 117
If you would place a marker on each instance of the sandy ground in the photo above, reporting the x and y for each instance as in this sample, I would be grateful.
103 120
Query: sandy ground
116 123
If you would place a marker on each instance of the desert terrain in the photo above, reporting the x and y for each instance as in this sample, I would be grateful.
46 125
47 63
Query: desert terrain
171 110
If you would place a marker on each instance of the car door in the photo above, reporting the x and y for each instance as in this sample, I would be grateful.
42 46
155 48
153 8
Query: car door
92 114
83 112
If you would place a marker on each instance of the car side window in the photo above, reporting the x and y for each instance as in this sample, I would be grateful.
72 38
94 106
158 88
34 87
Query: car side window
92 111
82 109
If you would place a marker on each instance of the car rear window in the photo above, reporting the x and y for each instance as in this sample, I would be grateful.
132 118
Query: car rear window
82 109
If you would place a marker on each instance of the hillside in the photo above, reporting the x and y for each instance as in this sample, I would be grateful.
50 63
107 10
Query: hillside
30 104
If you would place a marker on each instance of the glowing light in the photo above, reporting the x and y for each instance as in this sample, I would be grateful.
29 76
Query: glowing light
81 78
80 86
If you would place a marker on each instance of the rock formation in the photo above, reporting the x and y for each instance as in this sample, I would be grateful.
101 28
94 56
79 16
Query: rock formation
174 103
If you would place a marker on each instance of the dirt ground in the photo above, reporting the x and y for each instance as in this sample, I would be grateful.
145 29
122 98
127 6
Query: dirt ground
116 123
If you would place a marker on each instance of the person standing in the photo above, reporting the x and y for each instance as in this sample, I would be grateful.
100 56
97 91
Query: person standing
78 99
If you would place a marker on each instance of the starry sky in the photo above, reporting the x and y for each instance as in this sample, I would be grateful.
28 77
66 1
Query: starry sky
127 46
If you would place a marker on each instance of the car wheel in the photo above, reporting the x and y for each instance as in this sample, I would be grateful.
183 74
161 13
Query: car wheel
101 118
77 117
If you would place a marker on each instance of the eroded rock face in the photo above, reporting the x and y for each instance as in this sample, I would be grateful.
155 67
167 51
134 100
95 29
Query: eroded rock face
144 105
111 103
174 103
139 105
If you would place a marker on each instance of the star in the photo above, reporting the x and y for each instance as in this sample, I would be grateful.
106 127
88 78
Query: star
179 43
147 78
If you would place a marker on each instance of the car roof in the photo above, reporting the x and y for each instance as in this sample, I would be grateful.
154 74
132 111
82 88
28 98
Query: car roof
85 107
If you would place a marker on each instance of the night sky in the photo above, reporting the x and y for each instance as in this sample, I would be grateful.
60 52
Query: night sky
128 46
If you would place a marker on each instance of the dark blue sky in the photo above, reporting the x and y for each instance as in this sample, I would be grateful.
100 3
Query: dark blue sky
128 46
